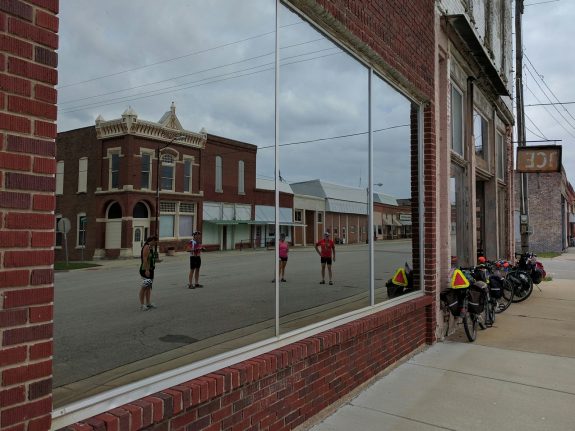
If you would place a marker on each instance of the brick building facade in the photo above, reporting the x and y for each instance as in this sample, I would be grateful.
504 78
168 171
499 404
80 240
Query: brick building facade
551 200
277 389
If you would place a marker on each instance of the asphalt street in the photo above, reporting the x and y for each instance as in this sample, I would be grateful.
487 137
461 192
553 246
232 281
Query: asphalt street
98 324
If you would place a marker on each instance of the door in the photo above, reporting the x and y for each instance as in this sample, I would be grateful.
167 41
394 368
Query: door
138 240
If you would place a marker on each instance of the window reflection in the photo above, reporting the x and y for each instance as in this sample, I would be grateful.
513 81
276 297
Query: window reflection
395 137
187 107
210 167
324 160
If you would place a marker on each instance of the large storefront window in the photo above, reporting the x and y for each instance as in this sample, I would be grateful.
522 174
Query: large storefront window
334 169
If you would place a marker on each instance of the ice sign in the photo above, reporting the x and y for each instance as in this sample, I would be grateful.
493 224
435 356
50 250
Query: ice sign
539 159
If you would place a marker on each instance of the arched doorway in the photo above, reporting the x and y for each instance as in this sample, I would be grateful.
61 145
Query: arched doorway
140 227
114 227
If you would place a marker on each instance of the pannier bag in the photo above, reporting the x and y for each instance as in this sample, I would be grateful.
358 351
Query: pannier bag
477 297
454 300
393 289
538 274
496 286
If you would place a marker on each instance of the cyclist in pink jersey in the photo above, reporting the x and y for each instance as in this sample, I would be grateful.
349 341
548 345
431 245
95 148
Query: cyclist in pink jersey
283 255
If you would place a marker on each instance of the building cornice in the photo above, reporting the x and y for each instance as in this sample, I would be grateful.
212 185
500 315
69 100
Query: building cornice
166 130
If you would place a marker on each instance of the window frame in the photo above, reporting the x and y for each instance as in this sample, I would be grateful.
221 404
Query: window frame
150 171
110 155
60 165
455 88
81 222
484 124
83 175
188 176
241 178
170 165
501 159
219 164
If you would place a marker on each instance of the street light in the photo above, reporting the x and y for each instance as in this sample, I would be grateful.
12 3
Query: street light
159 165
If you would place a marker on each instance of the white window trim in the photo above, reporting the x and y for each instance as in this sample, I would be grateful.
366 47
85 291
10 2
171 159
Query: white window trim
176 214
60 177
191 179
78 217
173 165
454 86
83 175
151 169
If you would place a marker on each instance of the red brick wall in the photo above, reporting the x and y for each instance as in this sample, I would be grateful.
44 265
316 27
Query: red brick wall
278 390
283 388
28 40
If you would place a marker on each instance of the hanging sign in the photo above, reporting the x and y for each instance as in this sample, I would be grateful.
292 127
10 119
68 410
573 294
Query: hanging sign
539 159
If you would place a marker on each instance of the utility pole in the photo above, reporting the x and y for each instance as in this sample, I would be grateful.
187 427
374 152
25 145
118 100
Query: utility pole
524 195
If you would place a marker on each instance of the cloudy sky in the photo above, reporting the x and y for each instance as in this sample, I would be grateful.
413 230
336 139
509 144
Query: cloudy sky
548 74
215 61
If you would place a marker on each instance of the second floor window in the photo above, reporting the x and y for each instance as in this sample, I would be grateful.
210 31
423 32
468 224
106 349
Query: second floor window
167 172
241 185
218 178
83 175
188 175
146 162
297 216
479 134
60 177
456 121
500 156
114 170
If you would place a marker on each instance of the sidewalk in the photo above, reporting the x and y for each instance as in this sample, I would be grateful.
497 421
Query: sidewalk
518 375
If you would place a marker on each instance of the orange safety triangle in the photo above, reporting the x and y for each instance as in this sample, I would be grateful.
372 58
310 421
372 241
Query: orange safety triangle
400 278
458 280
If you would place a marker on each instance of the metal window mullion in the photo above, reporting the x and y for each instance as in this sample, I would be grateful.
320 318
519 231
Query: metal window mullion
276 173
370 192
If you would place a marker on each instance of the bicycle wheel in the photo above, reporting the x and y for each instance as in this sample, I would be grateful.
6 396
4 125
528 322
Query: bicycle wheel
483 317
507 292
524 288
491 315
470 325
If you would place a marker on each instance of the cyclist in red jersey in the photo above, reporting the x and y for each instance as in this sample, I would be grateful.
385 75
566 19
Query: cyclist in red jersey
327 256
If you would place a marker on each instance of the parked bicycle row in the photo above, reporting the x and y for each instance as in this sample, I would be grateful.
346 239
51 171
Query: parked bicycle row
476 294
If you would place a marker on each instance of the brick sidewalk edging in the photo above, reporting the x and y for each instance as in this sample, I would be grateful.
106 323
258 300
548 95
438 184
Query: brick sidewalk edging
281 389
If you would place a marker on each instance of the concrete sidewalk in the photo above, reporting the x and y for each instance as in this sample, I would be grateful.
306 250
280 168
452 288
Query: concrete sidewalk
518 375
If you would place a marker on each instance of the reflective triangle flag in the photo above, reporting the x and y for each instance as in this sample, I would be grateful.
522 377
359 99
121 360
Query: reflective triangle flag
400 278
458 280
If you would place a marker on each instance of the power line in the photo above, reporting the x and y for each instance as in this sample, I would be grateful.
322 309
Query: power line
551 104
544 83
176 58
541 2
538 129
180 87
552 116
194 73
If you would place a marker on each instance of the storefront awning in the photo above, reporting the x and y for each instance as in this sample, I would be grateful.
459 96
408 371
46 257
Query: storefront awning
472 44
226 222
282 223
